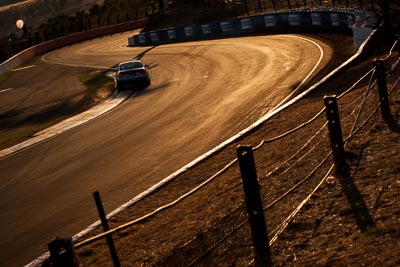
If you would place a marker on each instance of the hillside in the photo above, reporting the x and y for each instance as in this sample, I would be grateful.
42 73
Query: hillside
351 220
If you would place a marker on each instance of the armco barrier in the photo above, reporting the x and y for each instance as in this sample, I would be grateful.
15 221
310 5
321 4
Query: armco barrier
361 22
67 40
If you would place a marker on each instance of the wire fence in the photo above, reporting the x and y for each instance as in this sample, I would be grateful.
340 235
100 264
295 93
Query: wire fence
228 241
230 237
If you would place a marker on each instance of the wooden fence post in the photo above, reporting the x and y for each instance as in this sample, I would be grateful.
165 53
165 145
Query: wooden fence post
104 222
335 132
254 206
62 253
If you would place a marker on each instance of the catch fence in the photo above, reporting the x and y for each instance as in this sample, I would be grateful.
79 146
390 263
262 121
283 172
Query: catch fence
237 8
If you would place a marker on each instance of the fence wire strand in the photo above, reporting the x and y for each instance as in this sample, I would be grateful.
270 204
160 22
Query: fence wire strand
286 222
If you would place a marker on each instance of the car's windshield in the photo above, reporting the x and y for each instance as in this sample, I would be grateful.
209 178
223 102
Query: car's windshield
130 65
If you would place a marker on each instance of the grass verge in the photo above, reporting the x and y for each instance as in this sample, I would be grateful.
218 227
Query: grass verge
99 87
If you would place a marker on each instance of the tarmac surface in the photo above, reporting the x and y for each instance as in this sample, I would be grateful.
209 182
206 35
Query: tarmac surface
201 94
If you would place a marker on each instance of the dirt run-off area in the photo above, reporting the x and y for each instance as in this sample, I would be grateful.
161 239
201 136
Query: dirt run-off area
313 217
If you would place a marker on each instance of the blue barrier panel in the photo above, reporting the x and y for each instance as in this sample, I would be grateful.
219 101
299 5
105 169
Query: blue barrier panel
259 23
344 20
283 20
305 19
197 30
136 39
163 36
180 33
236 27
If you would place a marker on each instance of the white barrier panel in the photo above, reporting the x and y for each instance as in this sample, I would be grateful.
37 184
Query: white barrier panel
3 69
294 20
154 37
131 41
350 21
206 29
270 21
171 34
10 64
316 19
335 19
225 26
142 39
360 34
188 31
247 24
14 62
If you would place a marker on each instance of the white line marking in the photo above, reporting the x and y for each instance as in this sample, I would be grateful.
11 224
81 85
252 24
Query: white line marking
70 123
321 56
5 90
23 68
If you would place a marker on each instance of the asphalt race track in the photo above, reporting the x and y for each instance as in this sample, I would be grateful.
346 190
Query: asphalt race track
201 94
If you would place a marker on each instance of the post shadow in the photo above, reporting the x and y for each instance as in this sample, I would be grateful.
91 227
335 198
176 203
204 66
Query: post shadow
359 209
391 122
355 199
384 97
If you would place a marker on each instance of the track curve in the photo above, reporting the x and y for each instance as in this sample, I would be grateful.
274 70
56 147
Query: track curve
201 94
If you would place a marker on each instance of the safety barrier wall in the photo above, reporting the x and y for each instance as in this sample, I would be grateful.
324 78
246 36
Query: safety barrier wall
361 22
67 40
